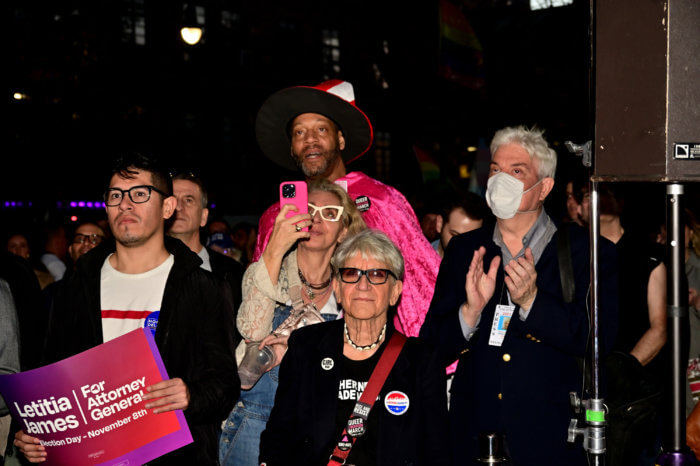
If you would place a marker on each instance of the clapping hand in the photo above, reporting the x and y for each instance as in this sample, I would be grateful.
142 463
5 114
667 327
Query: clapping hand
521 280
479 286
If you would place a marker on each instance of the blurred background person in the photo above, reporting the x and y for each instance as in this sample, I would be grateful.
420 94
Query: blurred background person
218 225
19 245
692 271
459 216
32 313
572 205
87 235
55 251
9 354
428 224
244 235
576 186
220 240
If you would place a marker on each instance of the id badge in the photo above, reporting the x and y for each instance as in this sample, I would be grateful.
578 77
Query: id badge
501 319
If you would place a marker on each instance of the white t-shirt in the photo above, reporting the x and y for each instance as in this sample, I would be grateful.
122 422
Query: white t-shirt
131 301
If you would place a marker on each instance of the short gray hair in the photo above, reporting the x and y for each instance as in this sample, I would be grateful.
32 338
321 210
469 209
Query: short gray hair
533 142
370 244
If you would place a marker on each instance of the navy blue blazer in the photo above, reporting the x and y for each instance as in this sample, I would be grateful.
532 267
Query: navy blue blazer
302 425
520 389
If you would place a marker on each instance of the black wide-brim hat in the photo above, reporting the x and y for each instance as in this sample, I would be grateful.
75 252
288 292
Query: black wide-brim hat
334 99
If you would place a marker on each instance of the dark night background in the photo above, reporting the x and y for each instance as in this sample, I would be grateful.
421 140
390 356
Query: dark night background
92 90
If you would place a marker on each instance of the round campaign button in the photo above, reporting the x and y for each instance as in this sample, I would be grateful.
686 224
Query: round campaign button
345 443
396 402
151 322
327 364
363 203
356 427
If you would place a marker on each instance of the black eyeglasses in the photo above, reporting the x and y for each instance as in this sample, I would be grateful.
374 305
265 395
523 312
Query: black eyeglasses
137 194
93 239
374 276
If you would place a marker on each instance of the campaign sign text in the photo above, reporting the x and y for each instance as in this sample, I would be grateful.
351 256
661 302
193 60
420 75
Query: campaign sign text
89 409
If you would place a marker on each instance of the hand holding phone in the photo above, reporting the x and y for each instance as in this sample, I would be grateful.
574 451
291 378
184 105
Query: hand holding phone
295 193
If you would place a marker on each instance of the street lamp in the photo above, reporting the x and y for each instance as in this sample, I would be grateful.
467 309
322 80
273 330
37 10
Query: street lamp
191 31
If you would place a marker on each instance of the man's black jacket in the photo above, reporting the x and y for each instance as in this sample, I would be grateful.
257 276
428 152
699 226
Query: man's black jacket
195 336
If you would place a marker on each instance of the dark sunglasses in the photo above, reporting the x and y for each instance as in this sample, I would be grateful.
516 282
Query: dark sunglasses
374 276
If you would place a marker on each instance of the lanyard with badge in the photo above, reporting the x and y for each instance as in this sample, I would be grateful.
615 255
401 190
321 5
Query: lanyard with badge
501 319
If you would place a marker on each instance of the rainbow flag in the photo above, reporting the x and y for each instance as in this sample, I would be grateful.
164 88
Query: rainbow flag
428 167
461 55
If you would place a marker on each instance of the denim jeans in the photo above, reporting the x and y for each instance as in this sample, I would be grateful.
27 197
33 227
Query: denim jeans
239 444
240 437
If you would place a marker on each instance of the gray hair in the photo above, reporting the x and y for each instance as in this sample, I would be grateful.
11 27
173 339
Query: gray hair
371 244
533 142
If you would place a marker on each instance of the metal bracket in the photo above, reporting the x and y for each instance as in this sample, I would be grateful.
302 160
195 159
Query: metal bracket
582 150
594 433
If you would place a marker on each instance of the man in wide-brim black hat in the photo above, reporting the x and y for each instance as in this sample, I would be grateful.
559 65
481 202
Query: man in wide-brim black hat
320 129
334 102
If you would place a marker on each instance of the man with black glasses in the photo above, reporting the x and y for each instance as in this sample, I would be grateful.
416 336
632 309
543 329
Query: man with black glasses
87 235
145 279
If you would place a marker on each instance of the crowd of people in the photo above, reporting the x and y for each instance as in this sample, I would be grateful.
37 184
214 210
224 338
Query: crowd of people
363 314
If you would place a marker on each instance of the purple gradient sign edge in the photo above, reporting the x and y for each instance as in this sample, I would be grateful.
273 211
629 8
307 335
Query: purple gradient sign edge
160 446
180 437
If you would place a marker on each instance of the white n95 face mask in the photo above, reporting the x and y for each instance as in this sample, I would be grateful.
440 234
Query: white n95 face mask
504 193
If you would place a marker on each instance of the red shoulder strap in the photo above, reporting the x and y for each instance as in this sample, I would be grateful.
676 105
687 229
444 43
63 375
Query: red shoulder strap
369 396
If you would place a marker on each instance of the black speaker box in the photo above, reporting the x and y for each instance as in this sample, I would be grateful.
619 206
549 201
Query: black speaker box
647 90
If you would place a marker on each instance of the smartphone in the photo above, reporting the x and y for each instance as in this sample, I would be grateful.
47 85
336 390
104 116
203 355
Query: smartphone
295 192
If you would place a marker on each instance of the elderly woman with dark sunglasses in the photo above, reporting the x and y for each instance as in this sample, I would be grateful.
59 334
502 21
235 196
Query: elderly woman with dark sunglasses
293 277
329 365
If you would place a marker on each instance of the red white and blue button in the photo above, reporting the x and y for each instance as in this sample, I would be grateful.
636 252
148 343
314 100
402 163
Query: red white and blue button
396 402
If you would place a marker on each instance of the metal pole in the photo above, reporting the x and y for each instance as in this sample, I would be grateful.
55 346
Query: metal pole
597 444
677 300
676 454
594 235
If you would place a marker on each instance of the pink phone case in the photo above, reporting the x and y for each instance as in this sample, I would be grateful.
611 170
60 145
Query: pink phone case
295 192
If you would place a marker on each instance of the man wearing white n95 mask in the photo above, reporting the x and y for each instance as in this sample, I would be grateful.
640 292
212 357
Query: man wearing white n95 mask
504 192
499 306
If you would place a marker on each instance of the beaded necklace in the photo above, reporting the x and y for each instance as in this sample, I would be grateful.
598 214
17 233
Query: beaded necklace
364 348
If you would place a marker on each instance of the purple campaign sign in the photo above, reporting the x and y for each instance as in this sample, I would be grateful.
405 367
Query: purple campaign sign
88 409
